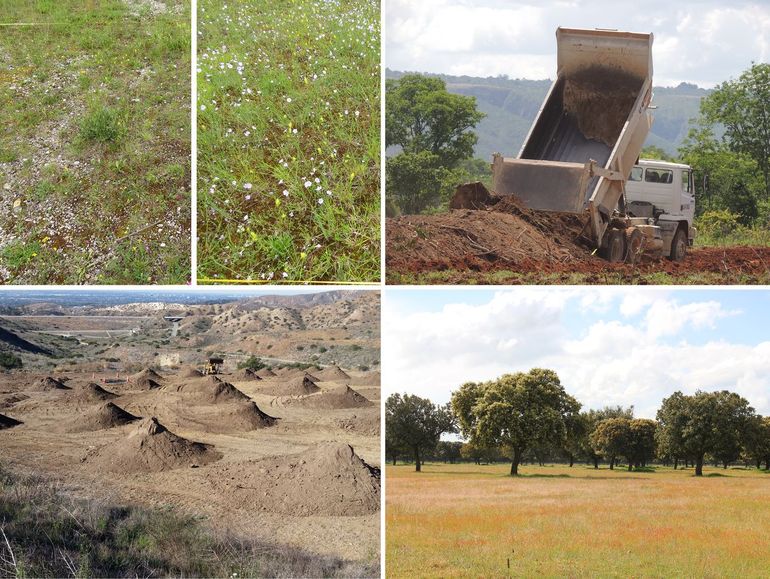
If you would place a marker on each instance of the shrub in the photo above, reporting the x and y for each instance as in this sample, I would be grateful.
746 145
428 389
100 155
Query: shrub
101 125
10 361
253 362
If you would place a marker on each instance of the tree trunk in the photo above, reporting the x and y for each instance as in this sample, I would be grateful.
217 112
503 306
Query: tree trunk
725 466
767 463
571 460
394 461
630 466
612 463
699 466
676 463
417 465
596 463
515 462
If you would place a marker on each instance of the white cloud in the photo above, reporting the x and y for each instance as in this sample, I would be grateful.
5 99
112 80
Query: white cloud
701 41
634 346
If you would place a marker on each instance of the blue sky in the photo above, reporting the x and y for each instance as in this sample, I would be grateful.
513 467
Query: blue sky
629 346
700 41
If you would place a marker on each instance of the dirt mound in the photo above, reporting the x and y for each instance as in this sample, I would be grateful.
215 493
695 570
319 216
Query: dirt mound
248 374
190 373
146 374
8 422
50 383
329 479
108 415
337 398
146 383
601 98
266 373
295 373
363 424
333 373
92 392
299 386
471 196
150 447
209 391
10 400
370 379
234 418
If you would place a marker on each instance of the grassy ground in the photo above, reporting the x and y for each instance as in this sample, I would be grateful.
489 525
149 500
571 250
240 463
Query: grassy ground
468 520
46 533
289 140
94 141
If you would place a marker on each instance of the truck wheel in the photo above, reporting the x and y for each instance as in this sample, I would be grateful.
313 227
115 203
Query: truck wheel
634 244
615 251
678 245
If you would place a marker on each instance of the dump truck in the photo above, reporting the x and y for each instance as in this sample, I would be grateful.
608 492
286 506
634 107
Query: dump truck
585 141
213 366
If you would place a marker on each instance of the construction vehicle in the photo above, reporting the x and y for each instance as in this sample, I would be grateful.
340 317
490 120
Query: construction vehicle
585 142
213 366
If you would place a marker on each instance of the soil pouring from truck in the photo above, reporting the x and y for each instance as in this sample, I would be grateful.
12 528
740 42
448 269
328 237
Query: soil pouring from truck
582 152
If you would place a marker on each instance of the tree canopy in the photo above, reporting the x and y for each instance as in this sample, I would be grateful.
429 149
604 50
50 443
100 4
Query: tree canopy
415 424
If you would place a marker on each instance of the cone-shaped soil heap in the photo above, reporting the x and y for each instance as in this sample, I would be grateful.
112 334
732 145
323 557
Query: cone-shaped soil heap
92 392
333 373
8 422
266 373
147 379
248 374
150 447
328 479
370 379
107 415
342 397
240 417
50 383
146 383
191 372
297 386
209 391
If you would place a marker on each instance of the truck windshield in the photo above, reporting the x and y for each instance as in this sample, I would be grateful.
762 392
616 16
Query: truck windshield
659 176
686 181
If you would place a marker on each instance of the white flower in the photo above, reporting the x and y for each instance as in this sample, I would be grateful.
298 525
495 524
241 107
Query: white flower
320 201
285 192
203 107
247 186
307 184
248 197
284 275
288 99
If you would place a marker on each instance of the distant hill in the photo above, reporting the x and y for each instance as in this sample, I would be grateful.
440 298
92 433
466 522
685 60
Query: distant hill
511 106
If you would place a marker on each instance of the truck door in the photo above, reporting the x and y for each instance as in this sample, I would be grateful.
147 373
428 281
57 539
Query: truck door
687 196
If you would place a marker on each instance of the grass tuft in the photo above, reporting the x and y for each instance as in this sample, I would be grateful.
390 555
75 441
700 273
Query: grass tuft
100 124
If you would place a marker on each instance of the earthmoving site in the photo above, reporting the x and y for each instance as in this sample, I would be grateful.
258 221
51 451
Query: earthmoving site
499 240
118 410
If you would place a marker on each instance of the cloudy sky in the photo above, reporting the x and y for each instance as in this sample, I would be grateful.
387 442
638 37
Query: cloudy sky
608 345
700 41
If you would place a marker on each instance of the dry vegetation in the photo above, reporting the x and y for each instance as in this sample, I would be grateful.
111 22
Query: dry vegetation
468 520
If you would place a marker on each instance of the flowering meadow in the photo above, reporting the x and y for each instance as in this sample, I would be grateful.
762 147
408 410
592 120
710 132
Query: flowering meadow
95 141
289 140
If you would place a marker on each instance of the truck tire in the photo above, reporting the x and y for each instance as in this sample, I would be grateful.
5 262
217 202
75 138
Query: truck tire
678 245
634 245
615 250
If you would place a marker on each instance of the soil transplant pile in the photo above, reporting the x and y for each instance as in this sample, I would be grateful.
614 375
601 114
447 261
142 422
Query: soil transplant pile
8 422
50 383
328 479
150 447
107 415
297 386
210 390
91 392
337 398
333 373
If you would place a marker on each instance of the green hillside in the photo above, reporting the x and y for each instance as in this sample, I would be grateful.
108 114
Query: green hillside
511 106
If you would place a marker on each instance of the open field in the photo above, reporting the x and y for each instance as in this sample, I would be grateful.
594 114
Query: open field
554 521
94 142
286 459
288 140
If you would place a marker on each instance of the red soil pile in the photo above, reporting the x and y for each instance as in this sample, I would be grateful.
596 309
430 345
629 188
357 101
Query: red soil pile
150 447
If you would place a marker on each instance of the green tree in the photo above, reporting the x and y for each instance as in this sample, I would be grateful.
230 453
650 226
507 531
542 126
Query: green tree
641 442
757 441
432 128
656 153
518 411
611 438
592 418
742 107
253 362
416 424
703 423
449 450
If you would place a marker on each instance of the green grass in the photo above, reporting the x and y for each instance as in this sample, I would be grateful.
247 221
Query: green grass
464 520
289 140
95 142
50 534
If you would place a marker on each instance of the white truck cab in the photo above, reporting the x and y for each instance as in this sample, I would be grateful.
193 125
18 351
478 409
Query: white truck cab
664 192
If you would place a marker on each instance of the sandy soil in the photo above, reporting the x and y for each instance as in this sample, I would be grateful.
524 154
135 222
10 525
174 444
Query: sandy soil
248 485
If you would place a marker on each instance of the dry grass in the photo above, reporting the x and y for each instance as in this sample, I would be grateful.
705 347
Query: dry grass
468 520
